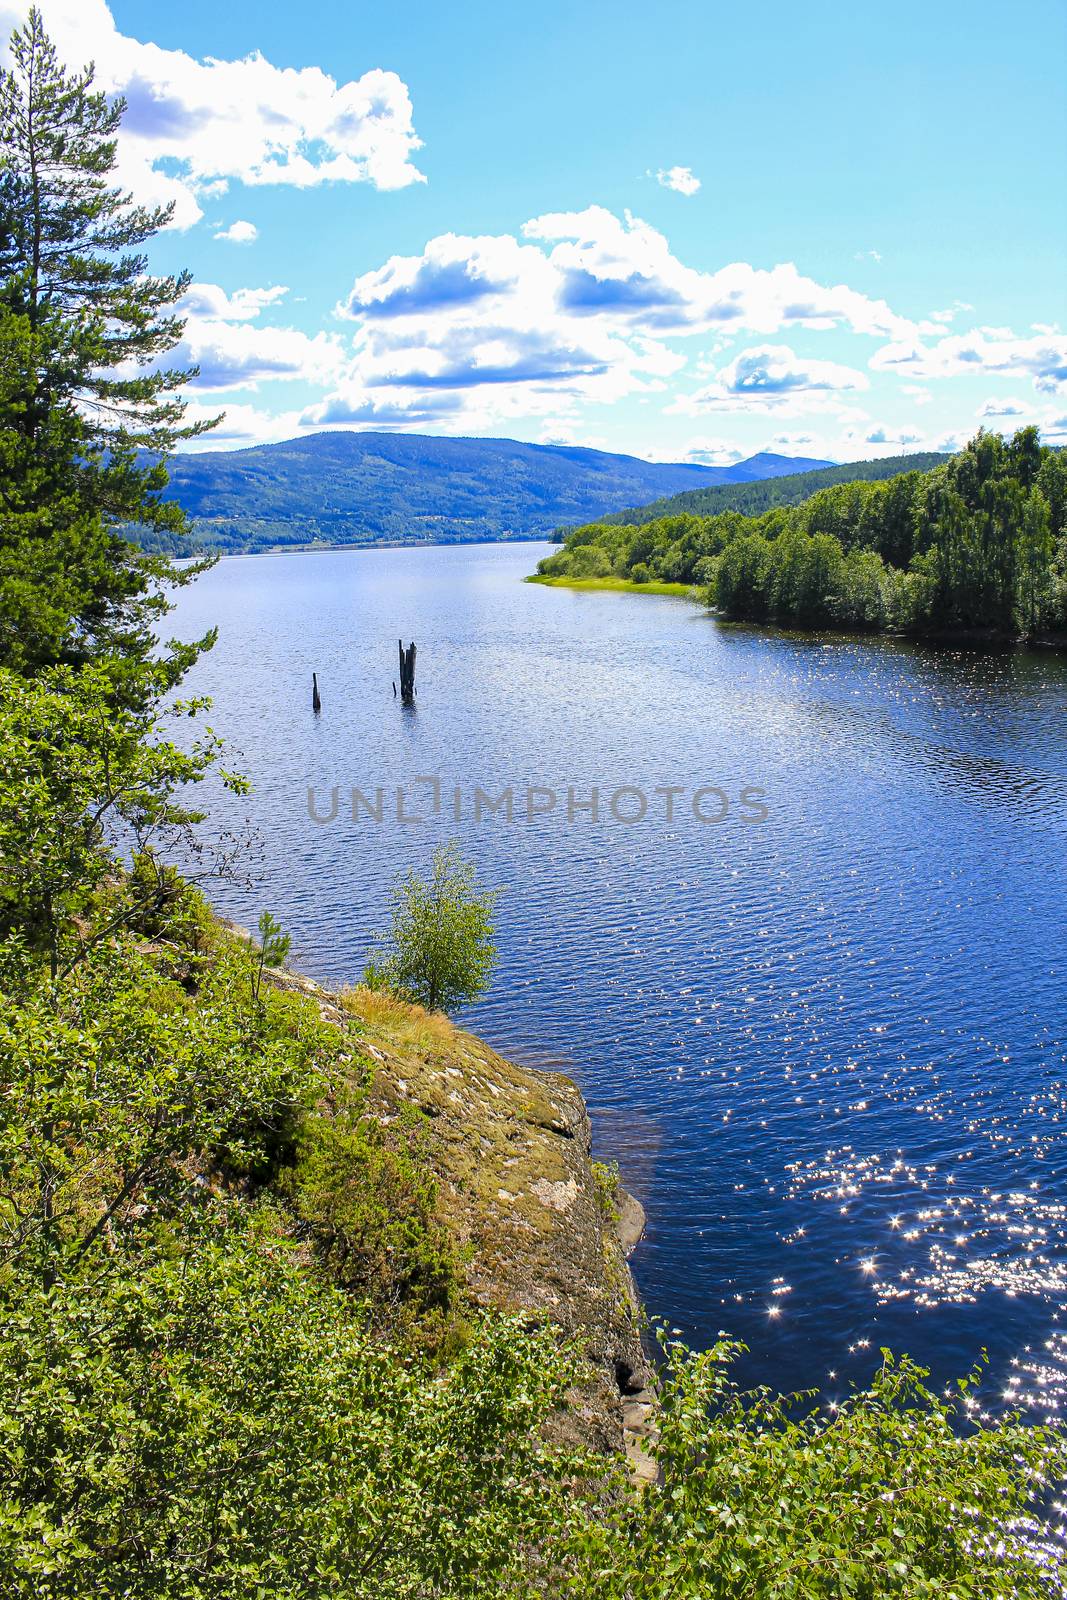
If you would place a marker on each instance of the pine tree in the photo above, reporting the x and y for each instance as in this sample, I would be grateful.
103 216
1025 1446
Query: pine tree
88 410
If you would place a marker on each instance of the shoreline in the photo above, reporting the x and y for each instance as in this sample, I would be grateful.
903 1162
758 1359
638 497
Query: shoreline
670 591
976 638
544 1229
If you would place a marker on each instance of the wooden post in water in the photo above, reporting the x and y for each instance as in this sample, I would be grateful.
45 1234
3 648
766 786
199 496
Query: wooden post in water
407 674
316 701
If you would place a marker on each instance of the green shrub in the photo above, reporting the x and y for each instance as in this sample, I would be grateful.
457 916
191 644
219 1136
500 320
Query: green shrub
439 948
365 1194
896 1493
219 1426
606 1183
118 1089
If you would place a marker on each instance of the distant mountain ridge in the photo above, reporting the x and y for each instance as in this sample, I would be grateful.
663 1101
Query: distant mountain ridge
765 490
370 488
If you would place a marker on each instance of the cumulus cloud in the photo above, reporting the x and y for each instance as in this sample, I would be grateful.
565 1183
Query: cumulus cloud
868 255
193 127
986 350
230 354
898 438
681 179
580 307
622 265
772 378
950 313
241 425
1001 408
220 340
712 452
209 301
239 233
850 441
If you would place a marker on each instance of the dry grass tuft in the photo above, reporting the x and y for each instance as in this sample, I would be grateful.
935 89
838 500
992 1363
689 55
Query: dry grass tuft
403 1022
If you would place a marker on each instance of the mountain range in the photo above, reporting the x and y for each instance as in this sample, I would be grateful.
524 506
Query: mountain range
752 497
374 488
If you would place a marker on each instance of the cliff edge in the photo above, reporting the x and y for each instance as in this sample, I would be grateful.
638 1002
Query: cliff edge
539 1227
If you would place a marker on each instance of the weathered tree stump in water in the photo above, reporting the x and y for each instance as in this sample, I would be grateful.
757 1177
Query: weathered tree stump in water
407 674
316 702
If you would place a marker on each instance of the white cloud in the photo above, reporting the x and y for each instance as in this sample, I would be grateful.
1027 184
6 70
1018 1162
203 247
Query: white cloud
951 312
850 442
1001 408
623 265
1006 413
582 307
220 340
192 127
210 302
985 350
242 425
229 354
239 233
681 179
868 255
712 452
773 378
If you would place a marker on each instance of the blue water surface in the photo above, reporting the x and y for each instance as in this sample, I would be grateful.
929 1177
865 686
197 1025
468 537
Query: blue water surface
827 1048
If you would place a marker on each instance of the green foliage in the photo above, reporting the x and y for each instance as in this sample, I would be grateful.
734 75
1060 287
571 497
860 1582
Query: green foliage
439 949
895 1493
978 544
81 774
740 584
114 1079
755 497
364 1192
606 1180
273 950
221 1425
84 390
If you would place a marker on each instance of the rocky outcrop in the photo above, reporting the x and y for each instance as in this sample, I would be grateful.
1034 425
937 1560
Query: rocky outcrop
517 1189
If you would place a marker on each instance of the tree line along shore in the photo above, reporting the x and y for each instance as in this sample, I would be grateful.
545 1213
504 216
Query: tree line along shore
974 547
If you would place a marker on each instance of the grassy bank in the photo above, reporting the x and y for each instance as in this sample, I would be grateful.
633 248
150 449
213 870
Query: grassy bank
678 591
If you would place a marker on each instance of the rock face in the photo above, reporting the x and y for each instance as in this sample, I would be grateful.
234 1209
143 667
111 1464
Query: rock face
519 1194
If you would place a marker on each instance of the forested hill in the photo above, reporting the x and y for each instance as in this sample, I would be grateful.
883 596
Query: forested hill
763 491
367 488
976 545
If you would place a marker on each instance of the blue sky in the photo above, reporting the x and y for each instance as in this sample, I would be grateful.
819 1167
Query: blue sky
687 232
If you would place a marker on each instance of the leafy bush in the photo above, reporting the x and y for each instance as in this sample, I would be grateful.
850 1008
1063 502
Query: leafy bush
117 1086
606 1181
365 1194
439 947
81 776
897 1493
219 1425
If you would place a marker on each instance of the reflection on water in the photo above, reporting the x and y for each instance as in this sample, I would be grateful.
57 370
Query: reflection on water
828 1050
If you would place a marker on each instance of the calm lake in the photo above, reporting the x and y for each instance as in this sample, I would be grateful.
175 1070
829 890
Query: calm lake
827 1048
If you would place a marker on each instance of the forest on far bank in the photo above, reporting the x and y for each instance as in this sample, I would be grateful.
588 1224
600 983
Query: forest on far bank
977 545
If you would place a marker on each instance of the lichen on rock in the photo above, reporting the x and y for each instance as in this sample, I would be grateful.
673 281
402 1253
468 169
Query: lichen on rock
511 1148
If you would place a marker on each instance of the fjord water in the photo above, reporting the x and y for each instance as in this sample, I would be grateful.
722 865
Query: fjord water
828 1049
